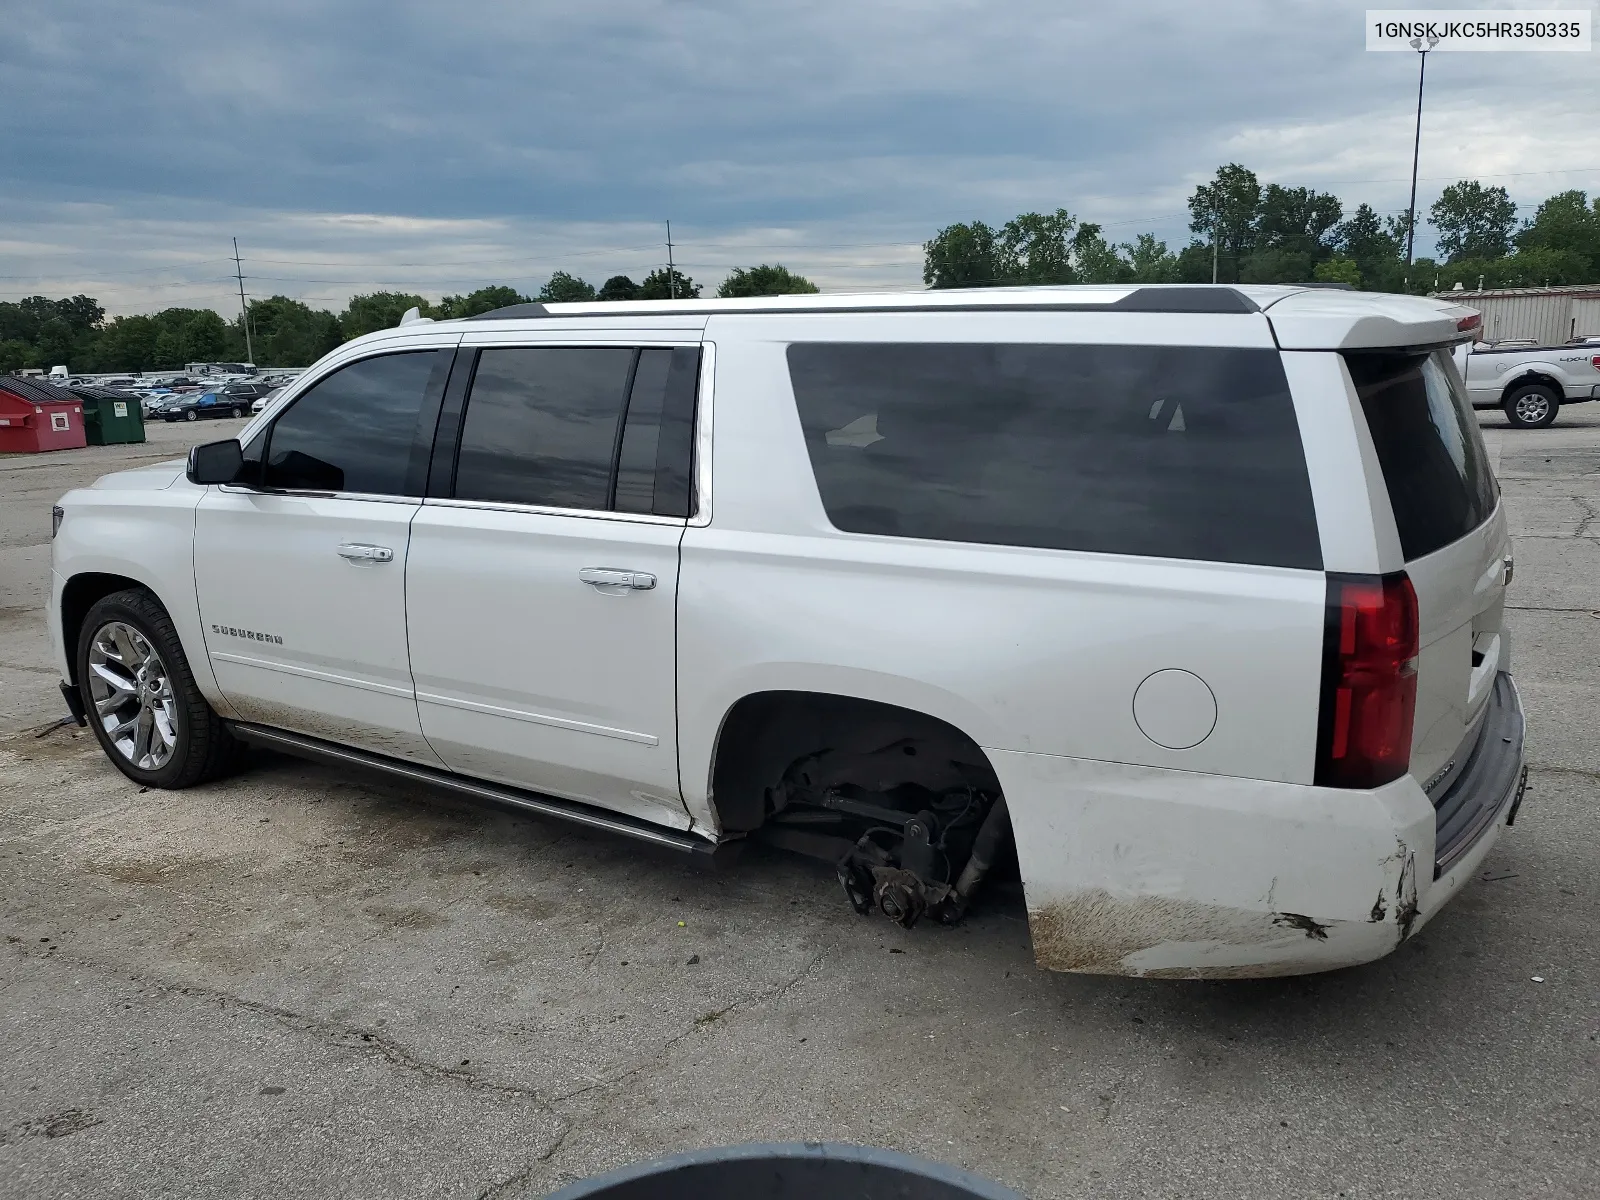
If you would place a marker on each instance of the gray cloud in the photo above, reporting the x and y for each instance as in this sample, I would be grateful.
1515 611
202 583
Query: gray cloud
498 141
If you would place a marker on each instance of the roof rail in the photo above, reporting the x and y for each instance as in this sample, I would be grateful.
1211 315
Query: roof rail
511 311
1209 299
1190 298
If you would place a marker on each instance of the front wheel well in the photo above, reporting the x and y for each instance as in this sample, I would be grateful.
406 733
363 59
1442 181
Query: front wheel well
80 594
865 743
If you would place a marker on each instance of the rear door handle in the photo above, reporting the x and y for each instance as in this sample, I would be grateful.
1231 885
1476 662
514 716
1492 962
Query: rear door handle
357 553
639 581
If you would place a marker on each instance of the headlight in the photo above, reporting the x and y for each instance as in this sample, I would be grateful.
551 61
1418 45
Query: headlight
56 513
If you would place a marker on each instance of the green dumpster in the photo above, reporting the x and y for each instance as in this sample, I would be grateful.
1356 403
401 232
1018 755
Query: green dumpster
110 417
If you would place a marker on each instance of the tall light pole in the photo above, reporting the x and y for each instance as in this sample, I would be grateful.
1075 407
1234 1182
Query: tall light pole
1416 147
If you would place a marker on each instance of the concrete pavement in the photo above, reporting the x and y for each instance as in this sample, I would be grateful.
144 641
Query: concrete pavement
300 982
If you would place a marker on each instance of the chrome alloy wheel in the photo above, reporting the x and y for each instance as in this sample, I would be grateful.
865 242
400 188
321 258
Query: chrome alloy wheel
1532 407
132 692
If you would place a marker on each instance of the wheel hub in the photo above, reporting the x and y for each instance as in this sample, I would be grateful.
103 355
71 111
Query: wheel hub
128 687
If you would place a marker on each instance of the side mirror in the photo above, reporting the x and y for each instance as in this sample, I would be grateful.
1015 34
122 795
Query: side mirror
216 462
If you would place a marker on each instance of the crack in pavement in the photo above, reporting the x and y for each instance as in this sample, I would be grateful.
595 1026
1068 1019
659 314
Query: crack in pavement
1555 770
1589 515
703 1021
348 1037
503 1187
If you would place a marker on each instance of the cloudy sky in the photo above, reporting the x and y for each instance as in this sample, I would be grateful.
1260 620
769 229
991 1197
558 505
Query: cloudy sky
432 147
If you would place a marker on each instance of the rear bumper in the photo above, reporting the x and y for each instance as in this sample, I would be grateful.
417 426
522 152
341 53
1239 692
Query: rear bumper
1172 874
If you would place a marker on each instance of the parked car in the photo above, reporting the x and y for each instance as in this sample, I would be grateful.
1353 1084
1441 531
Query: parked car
192 406
1530 385
268 398
1193 594
250 389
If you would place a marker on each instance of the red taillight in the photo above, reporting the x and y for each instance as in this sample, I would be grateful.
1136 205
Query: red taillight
1471 321
1595 362
1369 681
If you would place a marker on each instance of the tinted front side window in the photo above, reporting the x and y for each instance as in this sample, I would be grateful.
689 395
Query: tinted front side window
1170 451
1434 464
357 430
541 426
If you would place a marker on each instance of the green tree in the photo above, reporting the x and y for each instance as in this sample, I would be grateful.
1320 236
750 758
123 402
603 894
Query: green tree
288 333
14 355
24 320
82 313
658 285
185 335
1227 209
766 280
55 344
372 312
1275 265
618 287
963 255
1298 220
1150 261
1473 221
1194 263
1363 240
485 299
1038 248
1566 221
1338 270
126 344
562 288
1094 260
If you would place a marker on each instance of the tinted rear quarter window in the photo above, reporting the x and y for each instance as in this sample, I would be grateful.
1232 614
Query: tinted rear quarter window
1165 451
1435 467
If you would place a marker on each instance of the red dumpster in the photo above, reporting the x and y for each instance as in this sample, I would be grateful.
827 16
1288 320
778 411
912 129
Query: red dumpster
38 416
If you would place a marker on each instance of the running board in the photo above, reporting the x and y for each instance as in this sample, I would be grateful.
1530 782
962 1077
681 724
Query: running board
547 806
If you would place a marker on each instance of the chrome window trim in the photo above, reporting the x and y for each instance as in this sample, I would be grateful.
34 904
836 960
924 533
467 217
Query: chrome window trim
337 359
546 510
309 494
520 340
704 404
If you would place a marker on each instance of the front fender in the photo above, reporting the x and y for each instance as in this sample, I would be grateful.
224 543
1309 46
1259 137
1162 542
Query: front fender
149 541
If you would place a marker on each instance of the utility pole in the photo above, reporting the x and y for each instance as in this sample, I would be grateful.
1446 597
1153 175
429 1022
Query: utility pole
1216 236
244 311
1416 147
672 271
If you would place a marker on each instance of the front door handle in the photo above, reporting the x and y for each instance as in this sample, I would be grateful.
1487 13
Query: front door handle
357 553
639 581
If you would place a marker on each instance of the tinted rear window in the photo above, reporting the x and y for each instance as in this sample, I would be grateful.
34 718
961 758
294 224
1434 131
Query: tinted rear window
1167 451
1434 464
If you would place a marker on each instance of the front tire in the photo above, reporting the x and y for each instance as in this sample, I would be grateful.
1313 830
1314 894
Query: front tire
1532 406
191 415
140 696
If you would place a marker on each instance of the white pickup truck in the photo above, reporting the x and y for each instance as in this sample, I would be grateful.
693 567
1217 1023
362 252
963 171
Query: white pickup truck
1530 383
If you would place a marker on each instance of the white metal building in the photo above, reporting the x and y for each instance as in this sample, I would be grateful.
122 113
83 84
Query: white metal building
1550 316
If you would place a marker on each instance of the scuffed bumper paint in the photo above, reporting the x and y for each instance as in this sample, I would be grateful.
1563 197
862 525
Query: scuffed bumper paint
1170 874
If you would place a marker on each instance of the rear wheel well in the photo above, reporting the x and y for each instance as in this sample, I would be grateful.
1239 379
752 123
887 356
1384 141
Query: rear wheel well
869 744
1523 381
80 595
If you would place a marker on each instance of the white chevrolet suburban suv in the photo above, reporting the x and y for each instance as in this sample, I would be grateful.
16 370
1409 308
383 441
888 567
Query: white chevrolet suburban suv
1194 595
